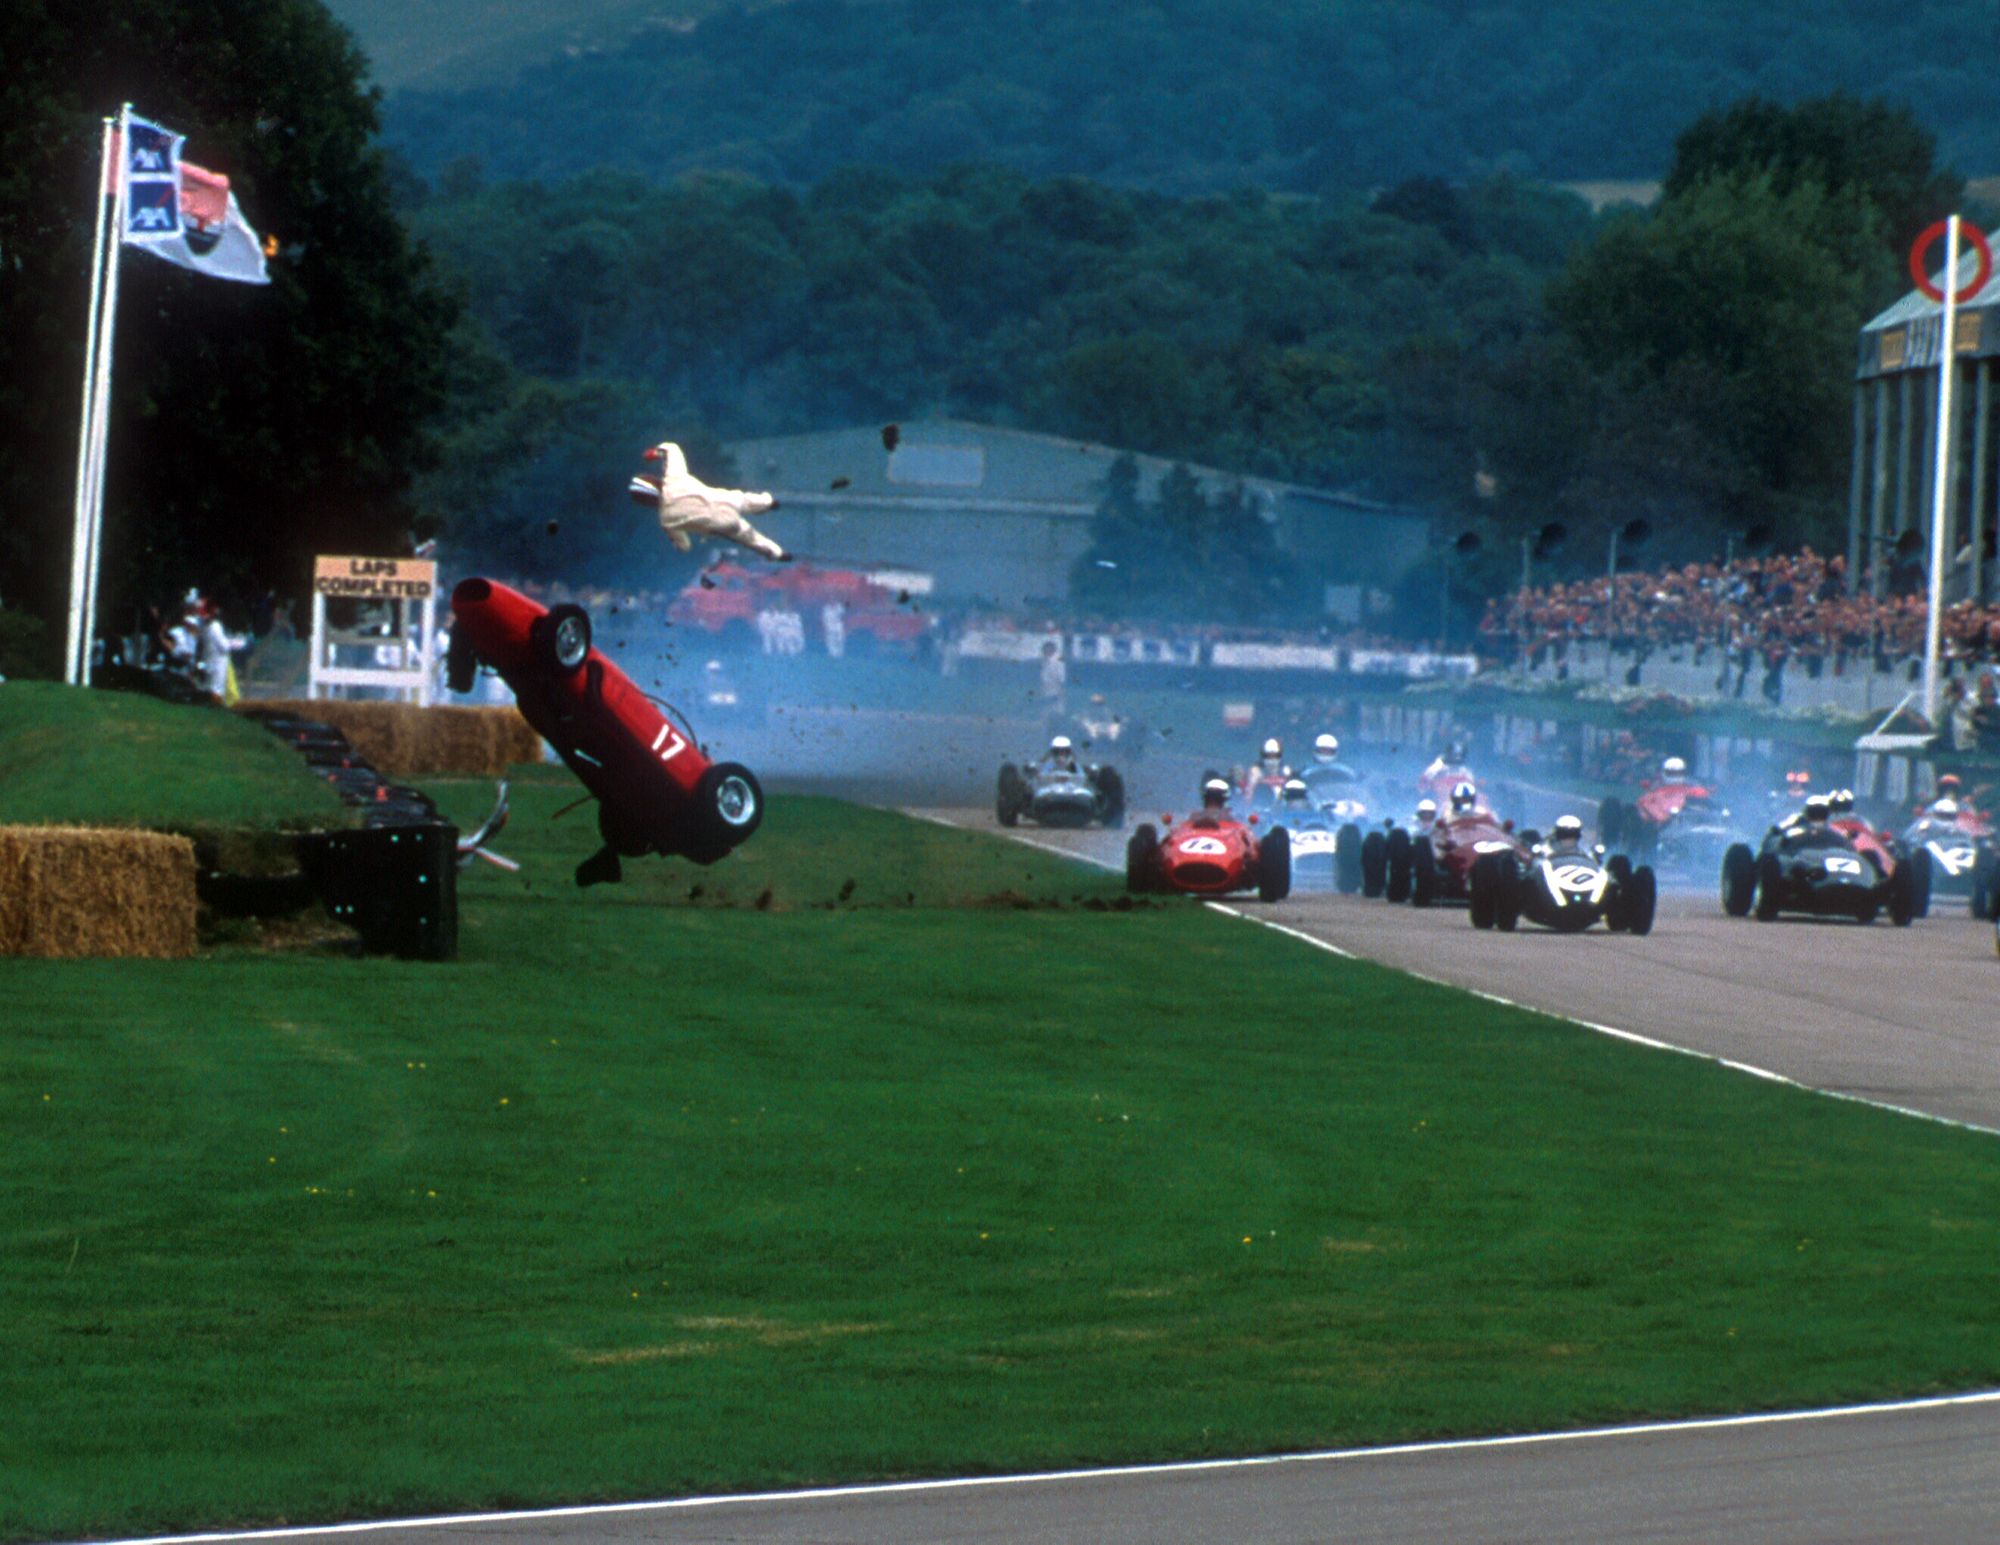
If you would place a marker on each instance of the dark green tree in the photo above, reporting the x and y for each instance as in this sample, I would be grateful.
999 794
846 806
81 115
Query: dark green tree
250 426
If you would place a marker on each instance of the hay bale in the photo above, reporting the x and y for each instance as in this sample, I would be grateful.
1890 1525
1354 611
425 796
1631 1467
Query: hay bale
401 740
72 890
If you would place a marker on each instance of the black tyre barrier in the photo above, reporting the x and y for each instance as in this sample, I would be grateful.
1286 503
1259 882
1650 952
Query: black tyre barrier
397 886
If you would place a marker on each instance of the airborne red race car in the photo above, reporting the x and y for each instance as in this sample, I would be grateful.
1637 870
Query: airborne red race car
656 790
1210 854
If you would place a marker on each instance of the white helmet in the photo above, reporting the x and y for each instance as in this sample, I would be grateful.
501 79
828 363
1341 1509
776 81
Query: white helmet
1674 767
1464 797
1840 802
1272 750
1816 807
1215 792
1568 828
1296 792
1060 744
1945 806
1427 810
1326 748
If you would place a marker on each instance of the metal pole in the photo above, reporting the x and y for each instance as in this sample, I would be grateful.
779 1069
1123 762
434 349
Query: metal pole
103 383
1856 479
1982 407
1940 470
86 428
1878 501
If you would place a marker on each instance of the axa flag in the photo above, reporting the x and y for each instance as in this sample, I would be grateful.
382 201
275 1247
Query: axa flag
215 239
150 160
183 212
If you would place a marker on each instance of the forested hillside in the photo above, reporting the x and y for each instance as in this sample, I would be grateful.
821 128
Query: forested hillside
1201 95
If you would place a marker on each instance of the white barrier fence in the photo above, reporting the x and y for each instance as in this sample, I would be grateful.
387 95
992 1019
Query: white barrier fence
1160 649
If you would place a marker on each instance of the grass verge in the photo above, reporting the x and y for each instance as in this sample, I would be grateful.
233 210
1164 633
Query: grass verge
656 1192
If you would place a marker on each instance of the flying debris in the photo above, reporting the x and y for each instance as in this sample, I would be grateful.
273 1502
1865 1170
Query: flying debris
892 436
839 483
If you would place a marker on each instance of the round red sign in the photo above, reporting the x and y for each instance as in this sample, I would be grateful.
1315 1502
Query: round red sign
1920 271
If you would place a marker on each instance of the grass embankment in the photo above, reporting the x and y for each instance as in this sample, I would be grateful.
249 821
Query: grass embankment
74 757
648 1195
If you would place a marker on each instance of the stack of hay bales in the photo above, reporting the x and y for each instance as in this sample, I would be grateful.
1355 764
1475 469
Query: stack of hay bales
67 891
401 740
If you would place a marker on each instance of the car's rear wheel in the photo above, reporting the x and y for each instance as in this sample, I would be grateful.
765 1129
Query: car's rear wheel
1770 877
1985 869
1482 887
729 805
1423 874
1347 859
1611 822
1739 879
563 639
1642 900
1011 797
1903 895
1142 860
1919 866
1111 796
1374 864
1274 865
1506 894
1620 867
1397 886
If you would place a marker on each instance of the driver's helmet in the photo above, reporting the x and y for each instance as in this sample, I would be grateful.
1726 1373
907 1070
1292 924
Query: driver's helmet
1816 810
1325 749
1464 799
1427 811
1946 809
1296 792
1673 767
1949 784
1567 833
1060 749
1840 802
1273 754
1215 794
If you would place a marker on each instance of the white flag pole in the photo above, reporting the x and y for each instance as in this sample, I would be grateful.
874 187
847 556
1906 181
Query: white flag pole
1947 367
87 427
103 383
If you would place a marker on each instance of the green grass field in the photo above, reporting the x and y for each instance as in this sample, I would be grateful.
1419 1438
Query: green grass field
656 1192
85 758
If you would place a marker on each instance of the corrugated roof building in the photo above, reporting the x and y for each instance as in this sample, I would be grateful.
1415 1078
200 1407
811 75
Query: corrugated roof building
1000 515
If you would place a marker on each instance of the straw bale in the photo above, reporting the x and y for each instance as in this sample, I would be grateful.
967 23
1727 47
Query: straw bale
401 740
71 890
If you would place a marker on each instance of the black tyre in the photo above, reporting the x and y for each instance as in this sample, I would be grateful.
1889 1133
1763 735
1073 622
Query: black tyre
460 663
1423 874
1918 866
1530 836
1397 885
1642 901
1111 793
729 806
1347 862
1506 894
1011 797
1770 879
1620 868
1274 865
1611 822
1482 886
1739 879
1141 855
1984 865
1903 890
562 639
1374 864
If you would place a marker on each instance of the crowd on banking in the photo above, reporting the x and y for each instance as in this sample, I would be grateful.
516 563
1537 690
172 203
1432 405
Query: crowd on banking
1765 611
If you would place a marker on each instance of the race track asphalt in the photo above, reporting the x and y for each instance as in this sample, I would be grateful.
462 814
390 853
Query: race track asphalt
1902 1016
1930 1473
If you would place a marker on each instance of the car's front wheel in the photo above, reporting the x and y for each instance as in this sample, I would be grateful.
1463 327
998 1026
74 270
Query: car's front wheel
562 639
728 806
1274 865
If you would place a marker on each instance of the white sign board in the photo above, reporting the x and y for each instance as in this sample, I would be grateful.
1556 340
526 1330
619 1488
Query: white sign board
398 650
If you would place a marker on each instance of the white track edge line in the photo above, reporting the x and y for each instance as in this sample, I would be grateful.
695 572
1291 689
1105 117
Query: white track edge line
1108 1472
1633 1036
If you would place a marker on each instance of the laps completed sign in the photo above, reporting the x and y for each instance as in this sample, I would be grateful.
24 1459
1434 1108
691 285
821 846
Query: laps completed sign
376 579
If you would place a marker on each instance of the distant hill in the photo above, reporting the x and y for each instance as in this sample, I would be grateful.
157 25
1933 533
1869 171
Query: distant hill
1183 96
457 43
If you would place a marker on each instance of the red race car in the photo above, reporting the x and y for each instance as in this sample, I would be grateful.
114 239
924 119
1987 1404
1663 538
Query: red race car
1441 862
1210 854
656 791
